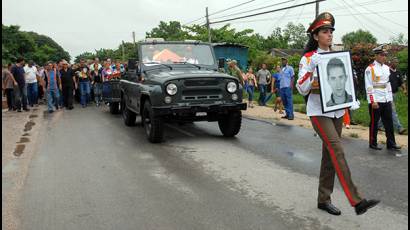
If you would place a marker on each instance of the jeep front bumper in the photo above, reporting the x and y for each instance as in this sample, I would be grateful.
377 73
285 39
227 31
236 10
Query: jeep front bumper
192 109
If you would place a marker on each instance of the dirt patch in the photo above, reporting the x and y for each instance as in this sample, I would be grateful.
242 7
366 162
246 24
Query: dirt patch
29 125
19 150
23 140
33 116
26 134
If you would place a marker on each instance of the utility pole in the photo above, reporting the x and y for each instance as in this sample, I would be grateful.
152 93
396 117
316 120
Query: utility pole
133 37
207 25
123 52
317 9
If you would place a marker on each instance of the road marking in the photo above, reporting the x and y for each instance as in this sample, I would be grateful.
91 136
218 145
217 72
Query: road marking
180 130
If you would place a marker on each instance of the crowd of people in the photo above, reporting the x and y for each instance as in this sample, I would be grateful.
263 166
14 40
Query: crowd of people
57 83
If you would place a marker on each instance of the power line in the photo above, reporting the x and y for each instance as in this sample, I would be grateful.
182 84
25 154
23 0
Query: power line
266 12
338 15
220 11
246 11
378 28
388 19
230 8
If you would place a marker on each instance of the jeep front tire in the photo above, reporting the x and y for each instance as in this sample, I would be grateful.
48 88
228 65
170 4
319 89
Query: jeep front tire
114 107
154 126
230 124
127 115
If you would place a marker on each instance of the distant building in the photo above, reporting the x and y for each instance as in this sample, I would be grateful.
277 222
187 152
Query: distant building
224 51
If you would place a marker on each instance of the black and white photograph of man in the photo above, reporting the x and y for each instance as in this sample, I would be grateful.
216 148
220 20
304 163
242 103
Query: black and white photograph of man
336 81
337 78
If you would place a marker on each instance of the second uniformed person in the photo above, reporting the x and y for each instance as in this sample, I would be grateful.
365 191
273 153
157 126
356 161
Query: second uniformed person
327 125
380 97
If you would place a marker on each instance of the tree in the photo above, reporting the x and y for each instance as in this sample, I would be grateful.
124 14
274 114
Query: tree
171 31
362 56
29 45
296 35
359 36
276 40
402 56
399 40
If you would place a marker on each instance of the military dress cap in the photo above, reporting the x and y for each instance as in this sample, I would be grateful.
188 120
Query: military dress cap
379 50
323 20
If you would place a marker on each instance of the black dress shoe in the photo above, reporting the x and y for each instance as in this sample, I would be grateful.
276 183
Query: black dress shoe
394 147
362 207
330 208
375 147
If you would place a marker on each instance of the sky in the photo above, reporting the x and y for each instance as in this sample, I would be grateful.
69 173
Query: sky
88 25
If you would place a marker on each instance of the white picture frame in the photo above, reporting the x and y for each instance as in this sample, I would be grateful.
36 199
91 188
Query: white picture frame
335 75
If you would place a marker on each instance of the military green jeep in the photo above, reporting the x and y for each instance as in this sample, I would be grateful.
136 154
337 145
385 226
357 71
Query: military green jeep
179 82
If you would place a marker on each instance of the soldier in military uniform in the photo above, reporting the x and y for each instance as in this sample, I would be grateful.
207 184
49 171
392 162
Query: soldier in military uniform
380 97
327 125
234 71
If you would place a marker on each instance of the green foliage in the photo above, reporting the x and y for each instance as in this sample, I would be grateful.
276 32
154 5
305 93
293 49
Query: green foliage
29 45
362 116
402 56
171 31
399 40
361 56
296 35
276 40
356 37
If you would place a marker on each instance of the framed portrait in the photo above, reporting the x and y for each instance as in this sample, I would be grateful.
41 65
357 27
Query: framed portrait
335 75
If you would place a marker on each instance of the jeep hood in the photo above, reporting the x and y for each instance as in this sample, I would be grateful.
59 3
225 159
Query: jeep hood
184 74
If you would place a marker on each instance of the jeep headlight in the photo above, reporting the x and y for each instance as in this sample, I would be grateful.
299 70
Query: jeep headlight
231 87
172 89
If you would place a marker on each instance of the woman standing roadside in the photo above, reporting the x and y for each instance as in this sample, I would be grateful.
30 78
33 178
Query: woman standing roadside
327 125
250 81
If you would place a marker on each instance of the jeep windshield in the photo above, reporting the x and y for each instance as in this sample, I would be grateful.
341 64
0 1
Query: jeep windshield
163 54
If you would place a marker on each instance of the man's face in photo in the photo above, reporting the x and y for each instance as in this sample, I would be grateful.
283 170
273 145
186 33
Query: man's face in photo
337 80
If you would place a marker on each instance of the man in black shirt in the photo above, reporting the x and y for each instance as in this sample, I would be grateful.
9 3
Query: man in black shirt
21 89
68 84
396 83
84 83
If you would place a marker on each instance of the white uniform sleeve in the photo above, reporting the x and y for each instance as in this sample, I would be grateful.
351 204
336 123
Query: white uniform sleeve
305 77
368 83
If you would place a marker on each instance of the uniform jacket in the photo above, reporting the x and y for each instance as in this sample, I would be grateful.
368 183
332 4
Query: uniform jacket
376 79
307 86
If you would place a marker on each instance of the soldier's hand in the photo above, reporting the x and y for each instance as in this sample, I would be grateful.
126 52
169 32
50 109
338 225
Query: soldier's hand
314 61
375 105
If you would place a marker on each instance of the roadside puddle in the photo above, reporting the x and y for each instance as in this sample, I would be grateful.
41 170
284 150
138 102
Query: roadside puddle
23 140
19 150
29 125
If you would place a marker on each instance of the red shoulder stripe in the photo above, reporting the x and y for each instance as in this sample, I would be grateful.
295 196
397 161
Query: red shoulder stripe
309 54
305 77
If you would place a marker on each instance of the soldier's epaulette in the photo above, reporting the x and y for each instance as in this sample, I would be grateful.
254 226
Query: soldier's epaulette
309 54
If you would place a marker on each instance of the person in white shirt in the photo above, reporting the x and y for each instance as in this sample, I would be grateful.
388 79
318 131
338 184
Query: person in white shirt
380 97
96 61
327 125
32 85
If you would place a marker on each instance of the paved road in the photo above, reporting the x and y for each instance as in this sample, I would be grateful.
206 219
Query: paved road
93 172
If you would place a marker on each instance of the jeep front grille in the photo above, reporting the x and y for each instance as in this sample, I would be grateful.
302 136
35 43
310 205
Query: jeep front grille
202 97
201 82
